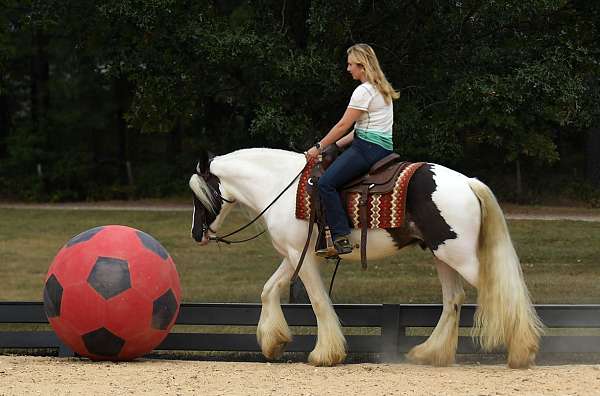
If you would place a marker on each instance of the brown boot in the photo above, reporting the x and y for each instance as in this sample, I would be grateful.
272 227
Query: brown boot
328 252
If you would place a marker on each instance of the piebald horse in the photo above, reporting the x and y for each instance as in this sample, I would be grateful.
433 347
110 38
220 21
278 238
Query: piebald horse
457 218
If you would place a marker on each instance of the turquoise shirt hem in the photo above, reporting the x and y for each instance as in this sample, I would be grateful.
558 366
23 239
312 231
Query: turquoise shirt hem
380 138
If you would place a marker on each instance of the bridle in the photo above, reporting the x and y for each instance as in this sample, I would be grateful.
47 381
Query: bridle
206 227
222 238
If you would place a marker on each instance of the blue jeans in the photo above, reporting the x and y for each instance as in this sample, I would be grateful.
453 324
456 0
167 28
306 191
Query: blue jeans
354 162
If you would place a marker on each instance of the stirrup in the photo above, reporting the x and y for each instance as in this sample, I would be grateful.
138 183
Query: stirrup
341 246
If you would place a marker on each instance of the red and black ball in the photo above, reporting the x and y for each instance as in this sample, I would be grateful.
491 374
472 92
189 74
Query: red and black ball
112 293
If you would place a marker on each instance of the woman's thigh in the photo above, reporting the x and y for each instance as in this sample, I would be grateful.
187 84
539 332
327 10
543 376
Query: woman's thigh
370 151
348 166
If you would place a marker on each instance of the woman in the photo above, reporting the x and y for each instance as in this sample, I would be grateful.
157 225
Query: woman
371 112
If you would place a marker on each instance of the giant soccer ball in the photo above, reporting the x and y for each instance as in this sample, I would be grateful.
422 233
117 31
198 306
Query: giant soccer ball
112 293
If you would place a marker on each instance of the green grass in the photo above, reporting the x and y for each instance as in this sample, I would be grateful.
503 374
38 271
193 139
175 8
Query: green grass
561 260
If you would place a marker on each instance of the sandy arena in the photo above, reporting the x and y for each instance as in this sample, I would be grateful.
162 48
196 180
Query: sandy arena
22 375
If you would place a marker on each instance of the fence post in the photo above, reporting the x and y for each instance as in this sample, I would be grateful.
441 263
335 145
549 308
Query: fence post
64 351
391 330
298 294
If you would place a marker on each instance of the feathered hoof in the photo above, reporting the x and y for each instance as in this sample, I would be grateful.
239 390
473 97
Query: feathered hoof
275 351
273 344
422 354
321 358
522 360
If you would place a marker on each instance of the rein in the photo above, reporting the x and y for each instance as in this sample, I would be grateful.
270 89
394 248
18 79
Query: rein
296 272
228 242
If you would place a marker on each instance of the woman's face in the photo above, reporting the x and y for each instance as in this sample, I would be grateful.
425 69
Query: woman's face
357 70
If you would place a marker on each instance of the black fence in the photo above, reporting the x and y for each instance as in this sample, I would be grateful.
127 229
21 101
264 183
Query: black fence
393 320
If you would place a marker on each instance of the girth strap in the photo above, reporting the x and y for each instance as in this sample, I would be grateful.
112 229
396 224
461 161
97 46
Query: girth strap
364 225
311 223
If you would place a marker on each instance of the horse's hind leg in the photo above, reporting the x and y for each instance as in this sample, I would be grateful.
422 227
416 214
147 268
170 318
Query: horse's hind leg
273 333
440 347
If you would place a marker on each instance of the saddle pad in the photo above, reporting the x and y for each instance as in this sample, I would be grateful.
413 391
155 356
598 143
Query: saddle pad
302 195
383 210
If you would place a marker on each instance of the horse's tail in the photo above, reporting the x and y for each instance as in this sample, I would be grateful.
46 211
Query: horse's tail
505 315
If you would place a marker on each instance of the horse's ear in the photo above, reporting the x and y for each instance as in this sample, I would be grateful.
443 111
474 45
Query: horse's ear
203 166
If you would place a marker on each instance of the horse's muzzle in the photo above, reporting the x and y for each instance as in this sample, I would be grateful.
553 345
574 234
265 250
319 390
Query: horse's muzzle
201 237
204 241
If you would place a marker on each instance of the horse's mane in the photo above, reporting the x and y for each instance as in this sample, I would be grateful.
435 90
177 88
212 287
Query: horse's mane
255 155
203 192
255 158
260 152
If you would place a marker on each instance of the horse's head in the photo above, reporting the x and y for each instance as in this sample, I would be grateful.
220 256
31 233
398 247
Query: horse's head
209 203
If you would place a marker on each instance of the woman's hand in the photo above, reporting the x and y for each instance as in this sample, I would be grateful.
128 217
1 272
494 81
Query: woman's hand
313 152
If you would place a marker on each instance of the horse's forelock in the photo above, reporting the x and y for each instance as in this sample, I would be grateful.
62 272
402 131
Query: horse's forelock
203 192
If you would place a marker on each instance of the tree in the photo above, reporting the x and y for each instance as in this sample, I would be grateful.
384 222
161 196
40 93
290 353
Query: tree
88 87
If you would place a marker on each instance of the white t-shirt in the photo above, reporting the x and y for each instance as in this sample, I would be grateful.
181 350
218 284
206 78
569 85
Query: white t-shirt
375 124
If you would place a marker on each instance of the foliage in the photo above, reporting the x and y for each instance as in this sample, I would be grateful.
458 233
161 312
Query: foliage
481 82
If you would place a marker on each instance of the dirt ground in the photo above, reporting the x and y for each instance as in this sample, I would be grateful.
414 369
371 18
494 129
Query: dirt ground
26 375
21 375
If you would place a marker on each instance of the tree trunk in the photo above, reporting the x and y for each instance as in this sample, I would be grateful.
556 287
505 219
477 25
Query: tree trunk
592 151
121 92
40 75
173 150
296 17
519 179
40 97
4 124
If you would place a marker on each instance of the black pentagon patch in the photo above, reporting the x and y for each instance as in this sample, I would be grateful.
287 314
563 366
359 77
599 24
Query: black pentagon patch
110 276
84 236
103 343
152 244
52 296
163 310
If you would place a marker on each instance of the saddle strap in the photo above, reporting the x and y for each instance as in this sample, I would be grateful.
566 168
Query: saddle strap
311 224
364 225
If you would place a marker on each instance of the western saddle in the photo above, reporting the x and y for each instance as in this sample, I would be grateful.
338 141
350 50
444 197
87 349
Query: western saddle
380 179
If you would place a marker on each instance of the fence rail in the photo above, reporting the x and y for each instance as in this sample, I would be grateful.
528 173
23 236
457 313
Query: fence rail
392 320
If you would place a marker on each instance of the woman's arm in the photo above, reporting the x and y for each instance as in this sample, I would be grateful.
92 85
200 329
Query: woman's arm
348 119
346 140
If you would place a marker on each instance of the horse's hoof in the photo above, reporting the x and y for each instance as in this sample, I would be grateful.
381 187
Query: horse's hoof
523 361
519 365
420 355
416 356
276 351
325 360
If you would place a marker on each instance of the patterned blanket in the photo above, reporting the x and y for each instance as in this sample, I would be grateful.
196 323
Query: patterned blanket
383 210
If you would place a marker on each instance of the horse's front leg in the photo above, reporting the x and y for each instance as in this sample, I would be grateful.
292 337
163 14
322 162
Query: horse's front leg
331 344
273 333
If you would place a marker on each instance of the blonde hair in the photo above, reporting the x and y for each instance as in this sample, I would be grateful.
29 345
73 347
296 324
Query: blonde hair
364 55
